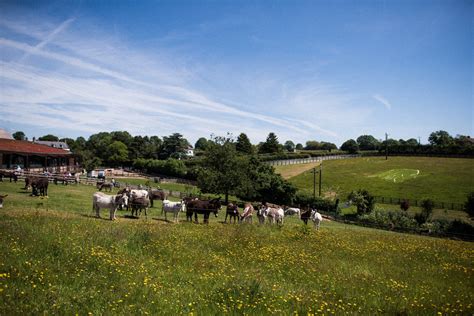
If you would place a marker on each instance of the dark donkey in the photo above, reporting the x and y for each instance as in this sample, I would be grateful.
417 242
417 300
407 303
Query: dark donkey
202 207
8 174
156 194
233 212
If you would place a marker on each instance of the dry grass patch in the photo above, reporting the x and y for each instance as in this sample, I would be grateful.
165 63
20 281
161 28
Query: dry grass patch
290 171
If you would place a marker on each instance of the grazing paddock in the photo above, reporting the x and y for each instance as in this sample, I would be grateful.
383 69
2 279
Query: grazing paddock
440 179
58 260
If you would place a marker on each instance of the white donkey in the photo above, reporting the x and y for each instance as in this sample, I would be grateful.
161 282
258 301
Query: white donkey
316 218
275 215
112 202
173 207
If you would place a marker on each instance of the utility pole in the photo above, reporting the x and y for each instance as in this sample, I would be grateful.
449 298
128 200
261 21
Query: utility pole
386 146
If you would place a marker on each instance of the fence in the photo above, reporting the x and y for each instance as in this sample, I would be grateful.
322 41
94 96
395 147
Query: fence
285 162
414 202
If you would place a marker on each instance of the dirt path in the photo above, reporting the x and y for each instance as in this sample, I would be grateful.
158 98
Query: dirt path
290 171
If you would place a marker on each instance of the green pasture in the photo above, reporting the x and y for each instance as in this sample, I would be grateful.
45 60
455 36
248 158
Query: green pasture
57 259
440 179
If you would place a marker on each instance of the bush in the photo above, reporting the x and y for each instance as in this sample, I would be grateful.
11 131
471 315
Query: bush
469 205
364 201
405 205
427 206
391 219
323 205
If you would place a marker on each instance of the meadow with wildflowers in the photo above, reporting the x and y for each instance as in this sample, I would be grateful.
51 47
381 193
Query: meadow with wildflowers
57 259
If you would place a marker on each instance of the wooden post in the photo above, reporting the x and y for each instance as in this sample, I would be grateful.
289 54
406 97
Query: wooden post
320 177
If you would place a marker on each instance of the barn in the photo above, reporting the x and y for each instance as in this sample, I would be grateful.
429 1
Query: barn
35 157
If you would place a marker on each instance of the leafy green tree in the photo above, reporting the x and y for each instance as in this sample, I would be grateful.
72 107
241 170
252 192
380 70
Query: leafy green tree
328 146
243 144
19 135
299 146
90 163
363 200
201 144
367 142
117 153
271 145
261 183
289 146
174 146
350 146
312 145
122 136
469 205
412 142
427 207
440 138
98 144
221 168
49 137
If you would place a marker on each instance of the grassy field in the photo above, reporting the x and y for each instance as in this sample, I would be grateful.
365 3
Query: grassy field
290 171
441 179
56 259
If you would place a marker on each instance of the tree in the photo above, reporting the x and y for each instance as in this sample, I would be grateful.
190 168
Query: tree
19 135
350 146
117 153
243 144
98 144
92 163
367 142
49 137
412 142
122 136
221 168
312 145
261 183
201 144
363 200
271 145
469 205
299 146
440 138
427 207
289 146
174 146
328 146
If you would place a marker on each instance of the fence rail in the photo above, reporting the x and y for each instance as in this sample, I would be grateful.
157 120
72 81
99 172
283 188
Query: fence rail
285 162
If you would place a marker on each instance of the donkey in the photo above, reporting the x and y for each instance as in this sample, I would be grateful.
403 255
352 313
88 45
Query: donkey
233 212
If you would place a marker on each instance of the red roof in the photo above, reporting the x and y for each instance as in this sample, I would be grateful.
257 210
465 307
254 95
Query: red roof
25 147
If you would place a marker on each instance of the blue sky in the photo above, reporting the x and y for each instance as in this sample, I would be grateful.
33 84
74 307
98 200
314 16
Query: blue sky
306 70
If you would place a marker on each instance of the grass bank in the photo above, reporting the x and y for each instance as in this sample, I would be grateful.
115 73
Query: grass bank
66 263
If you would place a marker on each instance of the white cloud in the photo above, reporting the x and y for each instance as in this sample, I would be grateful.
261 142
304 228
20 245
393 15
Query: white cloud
95 83
382 100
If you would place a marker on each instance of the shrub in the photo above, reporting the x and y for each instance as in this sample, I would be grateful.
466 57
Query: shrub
427 207
392 219
364 201
405 205
469 205
323 205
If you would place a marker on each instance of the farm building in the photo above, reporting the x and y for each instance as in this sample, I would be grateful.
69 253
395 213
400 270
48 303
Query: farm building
61 145
35 157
